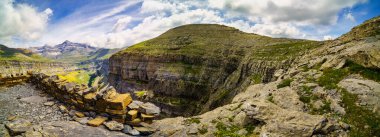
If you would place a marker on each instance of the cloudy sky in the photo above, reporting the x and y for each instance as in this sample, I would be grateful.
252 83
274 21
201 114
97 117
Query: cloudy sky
120 23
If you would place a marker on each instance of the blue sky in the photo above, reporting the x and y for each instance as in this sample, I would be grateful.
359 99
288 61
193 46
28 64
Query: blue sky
120 23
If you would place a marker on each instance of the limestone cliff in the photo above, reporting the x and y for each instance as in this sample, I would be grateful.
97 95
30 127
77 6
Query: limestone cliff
194 68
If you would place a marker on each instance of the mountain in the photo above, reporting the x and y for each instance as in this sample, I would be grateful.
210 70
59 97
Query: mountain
74 52
195 68
19 54
298 87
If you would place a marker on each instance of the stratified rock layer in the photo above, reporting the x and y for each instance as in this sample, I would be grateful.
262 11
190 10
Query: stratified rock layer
195 68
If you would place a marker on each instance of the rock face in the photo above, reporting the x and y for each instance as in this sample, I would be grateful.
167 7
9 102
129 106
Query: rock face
195 68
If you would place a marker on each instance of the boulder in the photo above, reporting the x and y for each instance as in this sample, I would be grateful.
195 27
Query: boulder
120 102
131 115
129 130
79 114
147 118
82 121
18 126
150 108
135 104
49 103
144 130
97 121
114 126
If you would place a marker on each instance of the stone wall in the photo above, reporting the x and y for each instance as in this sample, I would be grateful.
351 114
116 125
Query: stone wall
102 99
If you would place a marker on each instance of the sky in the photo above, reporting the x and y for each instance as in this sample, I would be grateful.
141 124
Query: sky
121 23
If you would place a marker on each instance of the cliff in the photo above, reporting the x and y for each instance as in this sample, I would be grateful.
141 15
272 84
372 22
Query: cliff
195 68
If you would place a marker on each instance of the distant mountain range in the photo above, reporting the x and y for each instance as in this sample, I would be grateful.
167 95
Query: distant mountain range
73 52
19 54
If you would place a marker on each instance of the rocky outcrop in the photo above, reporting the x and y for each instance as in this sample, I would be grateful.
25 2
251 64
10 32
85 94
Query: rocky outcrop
251 113
192 69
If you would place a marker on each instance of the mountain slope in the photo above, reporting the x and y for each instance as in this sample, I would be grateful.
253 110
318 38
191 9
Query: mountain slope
332 90
195 68
16 54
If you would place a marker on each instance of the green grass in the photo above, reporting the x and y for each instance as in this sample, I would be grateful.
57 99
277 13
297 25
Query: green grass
23 55
364 122
331 77
370 73
256 78
306 94
285 83
192 120
226 131
141 93
79 77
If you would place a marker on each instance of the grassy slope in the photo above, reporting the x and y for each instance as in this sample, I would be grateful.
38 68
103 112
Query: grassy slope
217 41
79 77
19 55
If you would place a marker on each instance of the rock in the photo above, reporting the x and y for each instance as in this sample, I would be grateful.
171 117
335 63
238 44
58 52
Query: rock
18 126
79 114
129 130
193 129
114 126
97 121
368 91
82 121
242 132
135 104
74 129
34 99
120 102
49 103
11 118
31 133
131 115
63 109
150 108
144 130
147 118
135 122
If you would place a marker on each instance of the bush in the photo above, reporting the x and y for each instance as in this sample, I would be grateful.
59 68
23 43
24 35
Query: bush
285 83
331 77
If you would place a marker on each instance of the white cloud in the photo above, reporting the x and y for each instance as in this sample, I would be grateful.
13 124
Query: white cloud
300 12
113 25
278 30
350 17
328 37
21 21
121 23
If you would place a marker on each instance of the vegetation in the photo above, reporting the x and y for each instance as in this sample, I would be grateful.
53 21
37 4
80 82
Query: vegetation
231 130
140 94
331 77
305 94
365 122
285 83
20 55
79 77
256 78
192 120
224 130
370 73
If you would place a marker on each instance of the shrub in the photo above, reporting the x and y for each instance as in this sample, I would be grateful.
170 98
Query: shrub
285 83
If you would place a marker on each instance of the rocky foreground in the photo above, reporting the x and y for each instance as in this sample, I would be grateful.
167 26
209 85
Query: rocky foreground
26 111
